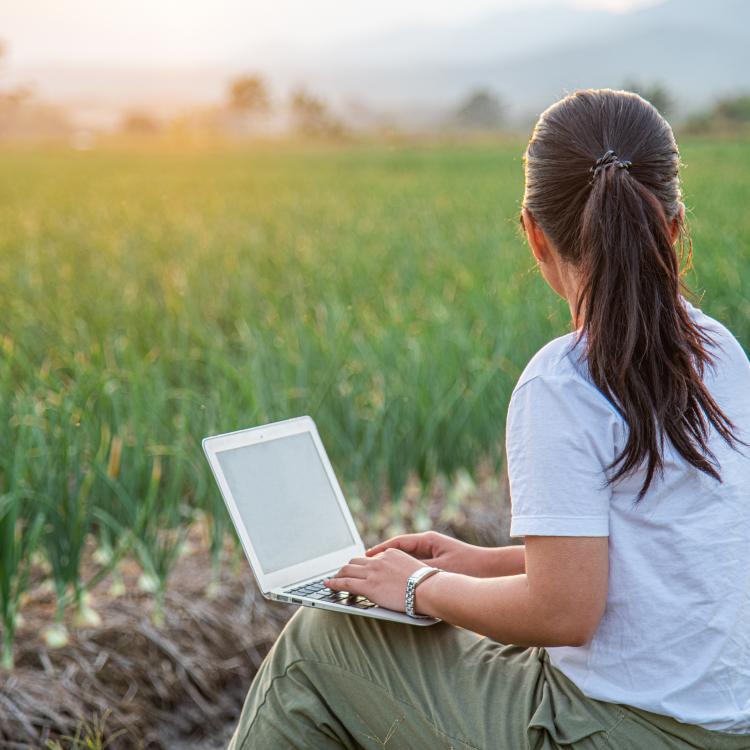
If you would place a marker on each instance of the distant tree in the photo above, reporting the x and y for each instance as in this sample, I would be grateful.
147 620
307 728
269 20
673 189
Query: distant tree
481 110
728 115
138 122
308 111
17 96
734 109
248 94
311 117
656 93
24 118
3 51
699 121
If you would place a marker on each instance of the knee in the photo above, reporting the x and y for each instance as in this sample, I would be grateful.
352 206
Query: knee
321 632
308 627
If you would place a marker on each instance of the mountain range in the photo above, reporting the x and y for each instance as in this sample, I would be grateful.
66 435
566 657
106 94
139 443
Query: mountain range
699 50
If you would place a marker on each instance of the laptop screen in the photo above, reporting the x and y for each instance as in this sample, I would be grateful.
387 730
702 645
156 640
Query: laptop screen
287 504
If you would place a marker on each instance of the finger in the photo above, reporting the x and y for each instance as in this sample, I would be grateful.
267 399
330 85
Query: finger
392 542
359 561
351 571
352 585
411 543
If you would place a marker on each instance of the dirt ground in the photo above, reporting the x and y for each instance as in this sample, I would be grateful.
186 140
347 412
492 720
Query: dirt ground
181 685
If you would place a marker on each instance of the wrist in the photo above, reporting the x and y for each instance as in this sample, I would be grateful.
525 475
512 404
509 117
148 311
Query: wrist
417 578
427 594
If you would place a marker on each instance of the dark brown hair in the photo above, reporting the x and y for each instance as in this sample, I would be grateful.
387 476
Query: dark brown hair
643 351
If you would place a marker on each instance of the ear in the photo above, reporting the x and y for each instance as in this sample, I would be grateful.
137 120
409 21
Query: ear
535 236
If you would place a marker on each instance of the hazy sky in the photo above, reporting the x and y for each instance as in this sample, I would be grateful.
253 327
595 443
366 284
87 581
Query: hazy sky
199 32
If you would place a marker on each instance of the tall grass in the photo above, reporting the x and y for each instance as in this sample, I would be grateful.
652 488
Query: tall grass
152 298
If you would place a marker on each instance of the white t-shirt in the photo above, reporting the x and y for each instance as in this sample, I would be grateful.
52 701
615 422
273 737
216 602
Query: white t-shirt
675 635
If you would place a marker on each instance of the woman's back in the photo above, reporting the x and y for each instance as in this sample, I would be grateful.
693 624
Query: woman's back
675 635
624 619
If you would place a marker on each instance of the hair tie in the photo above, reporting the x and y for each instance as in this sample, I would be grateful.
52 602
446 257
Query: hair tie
608 158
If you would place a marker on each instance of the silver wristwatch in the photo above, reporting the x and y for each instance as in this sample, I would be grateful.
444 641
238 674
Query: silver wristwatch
411 584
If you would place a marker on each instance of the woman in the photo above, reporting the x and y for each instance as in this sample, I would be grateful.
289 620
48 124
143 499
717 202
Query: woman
628 606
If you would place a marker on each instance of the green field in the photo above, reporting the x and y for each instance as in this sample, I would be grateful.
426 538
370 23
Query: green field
153 297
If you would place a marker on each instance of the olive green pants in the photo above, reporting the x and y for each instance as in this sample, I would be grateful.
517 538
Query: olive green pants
336 680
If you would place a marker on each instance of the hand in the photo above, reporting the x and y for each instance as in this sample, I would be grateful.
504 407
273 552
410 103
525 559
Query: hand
380 577
436 550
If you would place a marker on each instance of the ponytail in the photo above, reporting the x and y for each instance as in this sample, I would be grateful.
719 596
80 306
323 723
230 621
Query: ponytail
644 352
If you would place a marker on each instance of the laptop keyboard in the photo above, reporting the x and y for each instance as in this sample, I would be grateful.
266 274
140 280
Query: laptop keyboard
318 590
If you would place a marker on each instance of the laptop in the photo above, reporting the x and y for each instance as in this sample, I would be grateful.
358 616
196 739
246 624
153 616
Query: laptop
290 515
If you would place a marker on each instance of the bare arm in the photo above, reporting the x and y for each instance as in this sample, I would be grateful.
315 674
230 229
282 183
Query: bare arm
558 601
451 554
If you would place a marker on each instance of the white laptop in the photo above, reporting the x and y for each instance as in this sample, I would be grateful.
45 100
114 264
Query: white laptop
290 514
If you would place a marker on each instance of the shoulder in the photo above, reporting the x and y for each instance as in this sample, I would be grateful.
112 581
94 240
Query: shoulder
558 372
560 357
724 347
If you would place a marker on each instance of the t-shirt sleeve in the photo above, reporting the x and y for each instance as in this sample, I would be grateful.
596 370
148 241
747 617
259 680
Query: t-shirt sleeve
560 439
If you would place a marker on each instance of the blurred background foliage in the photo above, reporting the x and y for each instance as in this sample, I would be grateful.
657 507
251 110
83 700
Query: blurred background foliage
152 298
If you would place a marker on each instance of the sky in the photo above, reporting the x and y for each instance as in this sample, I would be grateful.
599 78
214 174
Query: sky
180 33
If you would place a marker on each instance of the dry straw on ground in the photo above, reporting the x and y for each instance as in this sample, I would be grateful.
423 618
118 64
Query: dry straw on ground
185 682
187 677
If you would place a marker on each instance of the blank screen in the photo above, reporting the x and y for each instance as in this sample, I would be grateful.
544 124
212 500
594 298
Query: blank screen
286 502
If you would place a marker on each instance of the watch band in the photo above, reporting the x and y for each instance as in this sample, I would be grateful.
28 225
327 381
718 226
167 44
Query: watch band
411 584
